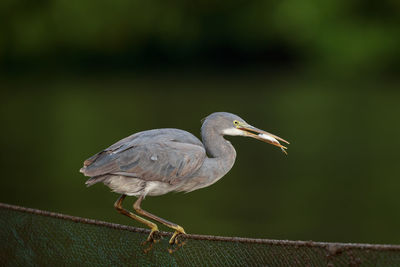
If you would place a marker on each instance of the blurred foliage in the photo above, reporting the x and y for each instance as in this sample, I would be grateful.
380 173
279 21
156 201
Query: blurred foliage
340 36
76 76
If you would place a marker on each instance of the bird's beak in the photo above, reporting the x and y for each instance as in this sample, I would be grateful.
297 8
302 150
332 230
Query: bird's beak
264 136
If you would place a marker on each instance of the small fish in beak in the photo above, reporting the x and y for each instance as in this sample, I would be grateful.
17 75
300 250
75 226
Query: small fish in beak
273 141
251 131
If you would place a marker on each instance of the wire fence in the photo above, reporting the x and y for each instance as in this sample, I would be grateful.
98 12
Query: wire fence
32 237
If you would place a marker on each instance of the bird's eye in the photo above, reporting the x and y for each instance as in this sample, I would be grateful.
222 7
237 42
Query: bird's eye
236 122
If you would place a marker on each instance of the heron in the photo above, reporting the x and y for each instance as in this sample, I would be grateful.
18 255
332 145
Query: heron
159 161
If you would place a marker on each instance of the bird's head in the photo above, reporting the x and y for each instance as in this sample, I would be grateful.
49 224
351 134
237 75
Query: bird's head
226 123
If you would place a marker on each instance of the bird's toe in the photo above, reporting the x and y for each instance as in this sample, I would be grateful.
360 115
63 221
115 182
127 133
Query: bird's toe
154 237
178 242
180 239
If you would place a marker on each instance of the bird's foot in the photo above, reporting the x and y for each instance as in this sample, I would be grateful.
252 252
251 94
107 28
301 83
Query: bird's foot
154 237
177 240
178 230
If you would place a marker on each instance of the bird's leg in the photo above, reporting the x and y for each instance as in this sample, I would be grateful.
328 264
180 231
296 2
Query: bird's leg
151 225
178 229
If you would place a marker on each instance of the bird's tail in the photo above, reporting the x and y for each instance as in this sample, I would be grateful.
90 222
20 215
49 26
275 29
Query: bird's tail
94 180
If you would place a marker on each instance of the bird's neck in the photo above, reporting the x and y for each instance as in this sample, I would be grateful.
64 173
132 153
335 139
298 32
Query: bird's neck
220 159
219 150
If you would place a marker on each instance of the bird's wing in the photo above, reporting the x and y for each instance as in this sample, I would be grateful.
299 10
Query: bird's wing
162 157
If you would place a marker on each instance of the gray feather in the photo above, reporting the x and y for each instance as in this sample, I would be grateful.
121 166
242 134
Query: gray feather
178 155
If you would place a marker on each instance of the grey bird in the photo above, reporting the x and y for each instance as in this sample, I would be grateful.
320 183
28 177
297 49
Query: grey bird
159 161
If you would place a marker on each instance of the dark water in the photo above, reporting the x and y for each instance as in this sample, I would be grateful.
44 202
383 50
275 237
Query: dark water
340 181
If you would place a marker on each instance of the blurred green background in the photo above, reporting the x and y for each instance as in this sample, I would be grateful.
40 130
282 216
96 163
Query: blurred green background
76 76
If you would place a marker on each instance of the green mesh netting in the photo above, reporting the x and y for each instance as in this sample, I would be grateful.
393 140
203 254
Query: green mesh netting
38 238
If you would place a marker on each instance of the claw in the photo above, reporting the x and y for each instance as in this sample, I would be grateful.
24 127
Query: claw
178 230
179 241
154 237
